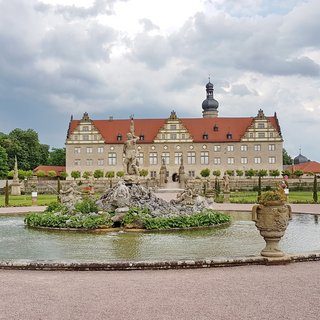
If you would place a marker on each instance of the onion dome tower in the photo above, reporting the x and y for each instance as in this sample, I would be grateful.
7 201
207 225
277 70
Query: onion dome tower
210 105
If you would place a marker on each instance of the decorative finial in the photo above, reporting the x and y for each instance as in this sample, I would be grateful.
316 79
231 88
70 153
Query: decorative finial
209 77
131 116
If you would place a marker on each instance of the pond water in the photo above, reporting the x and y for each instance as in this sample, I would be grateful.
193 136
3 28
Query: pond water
241 238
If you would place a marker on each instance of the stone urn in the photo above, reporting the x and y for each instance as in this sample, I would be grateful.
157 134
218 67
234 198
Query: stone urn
272 219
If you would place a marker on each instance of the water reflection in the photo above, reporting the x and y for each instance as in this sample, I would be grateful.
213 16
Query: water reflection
241 238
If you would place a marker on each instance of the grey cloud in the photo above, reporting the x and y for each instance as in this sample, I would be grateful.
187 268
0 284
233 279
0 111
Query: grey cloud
153 51
242 90
75 42
99 7
148 25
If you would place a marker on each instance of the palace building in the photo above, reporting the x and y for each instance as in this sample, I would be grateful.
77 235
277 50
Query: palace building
217 143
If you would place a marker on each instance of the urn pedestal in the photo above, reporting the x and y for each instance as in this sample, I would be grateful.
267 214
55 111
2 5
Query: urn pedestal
272 219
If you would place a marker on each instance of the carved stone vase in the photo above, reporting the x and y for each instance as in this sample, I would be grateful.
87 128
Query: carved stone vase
272 219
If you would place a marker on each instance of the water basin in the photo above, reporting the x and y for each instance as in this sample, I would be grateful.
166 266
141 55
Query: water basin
239 239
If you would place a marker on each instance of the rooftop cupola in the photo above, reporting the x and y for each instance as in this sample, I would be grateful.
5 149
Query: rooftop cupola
210 105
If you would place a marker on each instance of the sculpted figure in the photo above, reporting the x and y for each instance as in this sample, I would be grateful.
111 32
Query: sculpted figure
70 196
130 162
226 183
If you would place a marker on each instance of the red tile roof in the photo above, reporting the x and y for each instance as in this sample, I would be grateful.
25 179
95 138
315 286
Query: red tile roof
310 166
46 169
109 129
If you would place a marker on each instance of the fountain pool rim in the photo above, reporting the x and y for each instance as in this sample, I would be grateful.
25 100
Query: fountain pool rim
100 265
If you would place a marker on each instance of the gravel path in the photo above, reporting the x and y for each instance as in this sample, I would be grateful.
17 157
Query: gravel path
252 292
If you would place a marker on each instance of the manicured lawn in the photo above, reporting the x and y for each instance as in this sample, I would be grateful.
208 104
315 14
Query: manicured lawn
251 197
238 197
20 201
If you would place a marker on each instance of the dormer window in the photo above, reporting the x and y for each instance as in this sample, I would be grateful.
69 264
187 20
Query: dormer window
205 136
215 128
119 137
141 137
229 135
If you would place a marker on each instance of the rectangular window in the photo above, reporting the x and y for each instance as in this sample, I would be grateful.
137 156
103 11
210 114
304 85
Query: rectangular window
112 158
153 174
230 160
271 134
204 157
77 162
272 147
153 158
85 128
173 127
257 147
89 150
89 162
173 136
216 148
217 161
77 150
100 162
85 137
261 135
257 160
140 158
272 160
183 136
244 147
191 157
260 125
251 135
165 157
100 149
230 148
191 174
244 160
177 157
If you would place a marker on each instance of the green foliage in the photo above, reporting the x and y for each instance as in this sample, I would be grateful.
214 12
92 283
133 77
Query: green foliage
40 174
86 206
217 186
298 173
239 173
205 172
87 174
262 173
6 199
98 174
286 159
286 173
249 173
110 174
120 174
4 168
135 217
52 174
143 172
75 174
315 189
59 220
216 173
57 157
26 146
203 219
274 173
275 195
230 173
63 174
56 207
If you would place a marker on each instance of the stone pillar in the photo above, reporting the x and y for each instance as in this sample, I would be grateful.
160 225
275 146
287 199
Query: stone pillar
182 176
15 186
163 175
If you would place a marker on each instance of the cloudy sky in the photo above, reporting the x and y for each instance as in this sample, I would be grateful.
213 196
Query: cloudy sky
117 57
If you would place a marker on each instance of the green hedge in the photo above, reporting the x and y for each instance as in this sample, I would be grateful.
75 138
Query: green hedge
60 220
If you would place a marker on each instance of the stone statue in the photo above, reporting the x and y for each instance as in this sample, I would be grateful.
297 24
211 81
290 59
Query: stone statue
70 196
130 162
226 184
